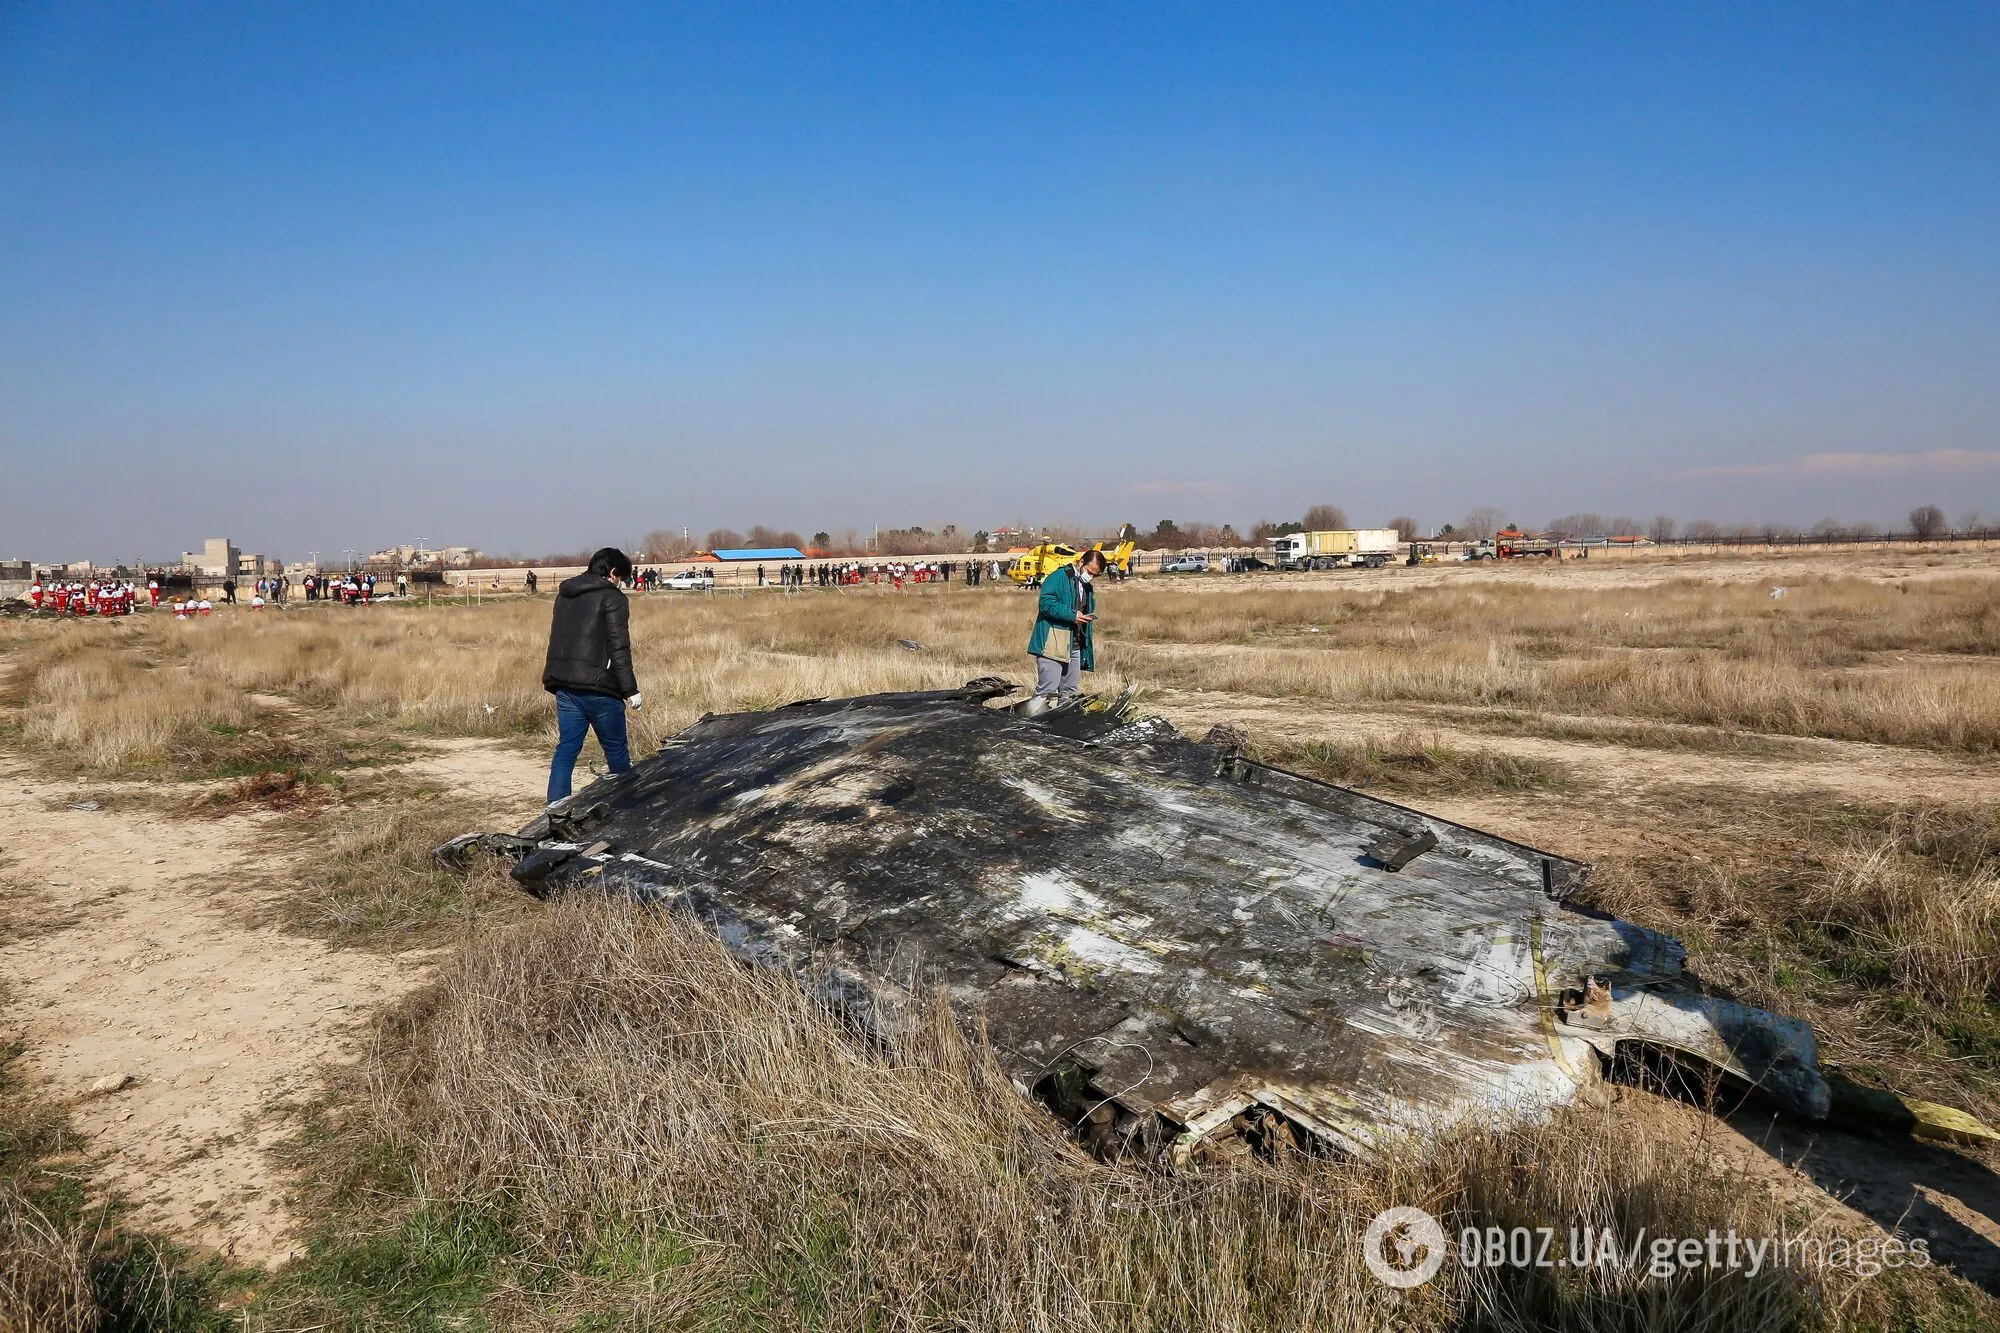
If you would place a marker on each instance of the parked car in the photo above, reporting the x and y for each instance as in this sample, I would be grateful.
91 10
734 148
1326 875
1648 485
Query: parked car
692 580
1185 564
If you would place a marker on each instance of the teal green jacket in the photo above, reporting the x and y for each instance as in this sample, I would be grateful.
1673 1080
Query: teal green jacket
1061 594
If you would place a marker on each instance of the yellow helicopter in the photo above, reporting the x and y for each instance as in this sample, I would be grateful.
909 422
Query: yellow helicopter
1030 567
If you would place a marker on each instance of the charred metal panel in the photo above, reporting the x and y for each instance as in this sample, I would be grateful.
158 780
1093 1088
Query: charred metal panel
1182 947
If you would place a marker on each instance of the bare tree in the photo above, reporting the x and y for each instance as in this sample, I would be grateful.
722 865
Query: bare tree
663 544
1661 529
1704 530
1325 518
1481 522
1927 521
724 539
1587 524
1405 526
913 540
761 536
1829 529
1969 521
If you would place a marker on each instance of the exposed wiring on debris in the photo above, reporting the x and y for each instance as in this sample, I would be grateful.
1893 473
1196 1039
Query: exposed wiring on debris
1110 1045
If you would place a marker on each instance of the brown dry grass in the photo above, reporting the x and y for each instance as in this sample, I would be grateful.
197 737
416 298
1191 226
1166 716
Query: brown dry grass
606 1121
157 693
1908 664
1905 664
595 1115
1410 763
371 879
1880 925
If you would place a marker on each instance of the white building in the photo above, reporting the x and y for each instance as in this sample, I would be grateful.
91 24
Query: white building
217 558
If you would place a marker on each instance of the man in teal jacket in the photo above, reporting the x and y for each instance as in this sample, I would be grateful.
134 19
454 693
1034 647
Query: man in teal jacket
1065 612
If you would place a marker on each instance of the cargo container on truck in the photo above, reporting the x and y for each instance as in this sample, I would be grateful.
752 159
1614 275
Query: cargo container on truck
1337 548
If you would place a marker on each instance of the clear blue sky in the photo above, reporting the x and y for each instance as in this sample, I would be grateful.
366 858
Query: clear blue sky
533 277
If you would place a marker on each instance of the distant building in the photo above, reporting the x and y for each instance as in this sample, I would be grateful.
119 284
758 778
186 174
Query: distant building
752 553
250 565
12 570
416 557
217 558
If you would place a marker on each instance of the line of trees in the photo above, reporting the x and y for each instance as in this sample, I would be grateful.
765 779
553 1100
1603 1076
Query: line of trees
1926 522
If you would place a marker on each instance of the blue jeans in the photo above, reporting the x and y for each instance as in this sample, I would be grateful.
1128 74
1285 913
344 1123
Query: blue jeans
576 714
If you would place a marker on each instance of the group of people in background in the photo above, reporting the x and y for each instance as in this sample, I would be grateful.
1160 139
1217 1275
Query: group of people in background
848 573
121 596
348 589
360 587
109 597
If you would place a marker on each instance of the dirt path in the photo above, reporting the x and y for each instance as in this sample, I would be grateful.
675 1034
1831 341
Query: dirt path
499 771
137 964
128 955
1849 770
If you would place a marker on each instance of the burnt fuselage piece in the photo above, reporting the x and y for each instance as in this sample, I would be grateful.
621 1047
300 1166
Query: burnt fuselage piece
1183 950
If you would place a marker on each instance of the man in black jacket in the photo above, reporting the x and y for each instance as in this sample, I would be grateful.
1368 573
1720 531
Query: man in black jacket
589 668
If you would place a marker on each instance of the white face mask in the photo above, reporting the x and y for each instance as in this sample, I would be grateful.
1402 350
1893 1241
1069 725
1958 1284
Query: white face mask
1083 573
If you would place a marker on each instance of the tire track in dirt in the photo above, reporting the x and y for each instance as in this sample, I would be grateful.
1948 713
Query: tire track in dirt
1849 770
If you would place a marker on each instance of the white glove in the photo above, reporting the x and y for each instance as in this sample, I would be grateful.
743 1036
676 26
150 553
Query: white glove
634 701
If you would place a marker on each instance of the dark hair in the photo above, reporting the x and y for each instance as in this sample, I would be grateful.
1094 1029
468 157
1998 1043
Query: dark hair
612 562
1103 561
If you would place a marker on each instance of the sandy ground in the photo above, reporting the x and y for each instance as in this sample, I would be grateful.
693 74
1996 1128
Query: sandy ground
1916 1190
1845 770
129 956
505 773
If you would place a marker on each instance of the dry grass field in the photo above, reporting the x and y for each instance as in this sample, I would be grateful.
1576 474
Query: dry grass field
589 1118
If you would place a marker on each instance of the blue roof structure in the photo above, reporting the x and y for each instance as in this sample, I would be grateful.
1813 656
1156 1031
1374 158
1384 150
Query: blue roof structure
763 553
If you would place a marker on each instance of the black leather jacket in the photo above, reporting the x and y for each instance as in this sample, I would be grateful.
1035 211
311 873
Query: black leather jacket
590 643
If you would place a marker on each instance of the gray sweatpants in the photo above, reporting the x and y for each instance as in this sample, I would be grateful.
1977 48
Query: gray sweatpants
1059 679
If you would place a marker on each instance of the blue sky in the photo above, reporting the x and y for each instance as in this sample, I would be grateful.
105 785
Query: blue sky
536 277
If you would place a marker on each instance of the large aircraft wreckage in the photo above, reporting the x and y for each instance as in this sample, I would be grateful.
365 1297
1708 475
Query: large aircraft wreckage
1180 950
